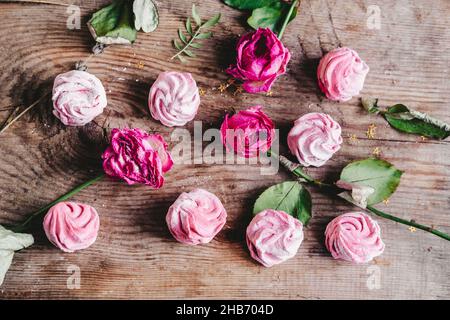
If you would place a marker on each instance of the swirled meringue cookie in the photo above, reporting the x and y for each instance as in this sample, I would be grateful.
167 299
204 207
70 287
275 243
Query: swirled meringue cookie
354 237
78 97
196 217
314 139
71 226
174 98
274 237
341 74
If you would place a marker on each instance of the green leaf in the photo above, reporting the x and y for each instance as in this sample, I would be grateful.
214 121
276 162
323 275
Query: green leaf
205 35
113 24
177 45
182 36
212 22
290 197
196 45
189 53
189 26
403 119
196 16
370 104
145 15
270 17
249 4
382 176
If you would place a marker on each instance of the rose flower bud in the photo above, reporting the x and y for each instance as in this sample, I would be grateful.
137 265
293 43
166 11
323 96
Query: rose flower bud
274 237
341 74
354 237
196 217
137 157
314 139
174 98
71 226
78 97
248 133
261 59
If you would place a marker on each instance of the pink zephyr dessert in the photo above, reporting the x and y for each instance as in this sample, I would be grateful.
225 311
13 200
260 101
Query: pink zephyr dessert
174 98
354 237
71 226
341 74
314 139
78 97
196 217
274 237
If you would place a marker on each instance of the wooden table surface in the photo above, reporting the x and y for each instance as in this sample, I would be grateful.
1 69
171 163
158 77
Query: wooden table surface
135 256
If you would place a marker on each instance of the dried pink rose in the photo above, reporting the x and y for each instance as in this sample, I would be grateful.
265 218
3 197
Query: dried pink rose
137 157
248 133
261 58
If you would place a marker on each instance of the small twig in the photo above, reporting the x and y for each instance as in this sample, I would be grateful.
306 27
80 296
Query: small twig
8 124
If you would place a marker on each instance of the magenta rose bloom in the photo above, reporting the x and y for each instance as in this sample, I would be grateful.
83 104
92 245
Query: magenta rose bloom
261 58
137 157
248 133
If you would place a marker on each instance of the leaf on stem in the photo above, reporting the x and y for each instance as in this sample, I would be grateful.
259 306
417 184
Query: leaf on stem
406 120
290 197
188 42
271 17
377 174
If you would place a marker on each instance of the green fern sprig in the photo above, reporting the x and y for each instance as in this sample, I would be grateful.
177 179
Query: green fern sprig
186 43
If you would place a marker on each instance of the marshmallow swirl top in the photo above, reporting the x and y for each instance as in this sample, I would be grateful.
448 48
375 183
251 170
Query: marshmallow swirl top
274 237
174 98
354 237
78 97
71 226
341 74
314 139
196 217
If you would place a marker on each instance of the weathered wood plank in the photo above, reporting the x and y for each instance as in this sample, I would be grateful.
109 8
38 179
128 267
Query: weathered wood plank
135 256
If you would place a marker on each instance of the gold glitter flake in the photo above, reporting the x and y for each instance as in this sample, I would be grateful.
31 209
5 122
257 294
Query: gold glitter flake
371 131
201 92
269 93
376 151
412 229
353 138
386 201
140 65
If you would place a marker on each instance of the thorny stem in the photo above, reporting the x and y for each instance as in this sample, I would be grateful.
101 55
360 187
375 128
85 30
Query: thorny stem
288 18
23 226
297 171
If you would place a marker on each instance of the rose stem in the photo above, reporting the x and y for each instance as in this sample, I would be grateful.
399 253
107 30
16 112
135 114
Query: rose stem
7 125
288 17
23 226
297 171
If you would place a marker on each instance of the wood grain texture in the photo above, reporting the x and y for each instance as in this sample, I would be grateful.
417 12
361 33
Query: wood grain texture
135 256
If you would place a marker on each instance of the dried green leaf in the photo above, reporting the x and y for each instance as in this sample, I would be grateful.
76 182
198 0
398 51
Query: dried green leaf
177 45
189 53
196 16
212 22
205 35
189 26
182 36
